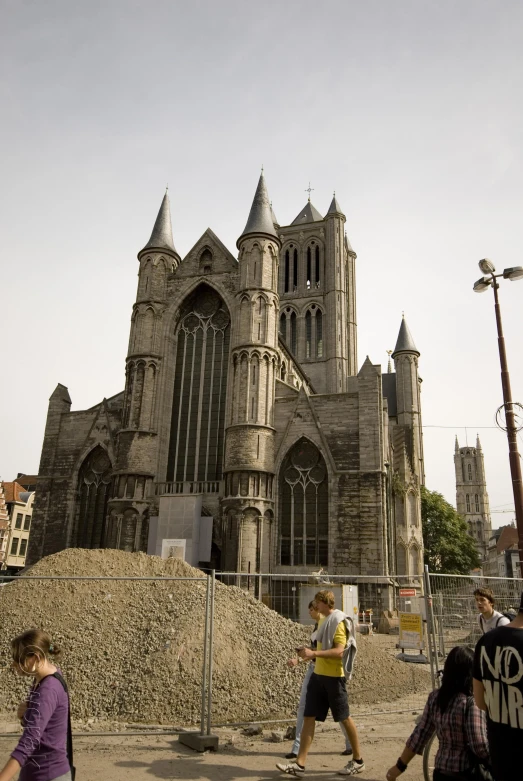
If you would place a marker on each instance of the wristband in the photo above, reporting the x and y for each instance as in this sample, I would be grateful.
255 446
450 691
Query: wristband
400 764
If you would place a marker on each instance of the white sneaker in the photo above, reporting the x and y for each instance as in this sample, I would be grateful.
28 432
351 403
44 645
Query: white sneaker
291 768
352 768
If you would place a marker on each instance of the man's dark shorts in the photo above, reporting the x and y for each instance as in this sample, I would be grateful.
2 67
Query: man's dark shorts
324 692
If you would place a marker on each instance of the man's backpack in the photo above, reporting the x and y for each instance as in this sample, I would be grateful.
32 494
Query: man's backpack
59 677
510 614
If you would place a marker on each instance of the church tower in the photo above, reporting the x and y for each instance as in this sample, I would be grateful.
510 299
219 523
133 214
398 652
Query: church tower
405 357
248 507
472 500
137 440
317 288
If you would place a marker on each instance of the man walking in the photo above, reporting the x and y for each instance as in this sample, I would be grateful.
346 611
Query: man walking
498 690
327 687
488 617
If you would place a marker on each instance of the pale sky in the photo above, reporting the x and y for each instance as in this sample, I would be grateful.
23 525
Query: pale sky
411 110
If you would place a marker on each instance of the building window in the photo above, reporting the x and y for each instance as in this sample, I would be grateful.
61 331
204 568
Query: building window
469 471
200 383
304 507
476 499
18 522
317 254
309 267
27 523
295 271
23 547
308 334
14 546
94 479
467 499
319 334
286 281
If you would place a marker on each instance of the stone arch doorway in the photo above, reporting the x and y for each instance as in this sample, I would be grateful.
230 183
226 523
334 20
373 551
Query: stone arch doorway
303 510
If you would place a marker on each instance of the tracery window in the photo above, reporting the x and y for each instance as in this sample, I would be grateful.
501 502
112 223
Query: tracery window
92 495
469 471
304 507
467 499
476 502
314 332
198 412
288 328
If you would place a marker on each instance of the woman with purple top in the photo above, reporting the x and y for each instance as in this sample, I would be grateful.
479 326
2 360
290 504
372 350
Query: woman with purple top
42 751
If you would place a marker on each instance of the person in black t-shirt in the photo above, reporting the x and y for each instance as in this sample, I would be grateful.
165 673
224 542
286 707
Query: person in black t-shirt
498 690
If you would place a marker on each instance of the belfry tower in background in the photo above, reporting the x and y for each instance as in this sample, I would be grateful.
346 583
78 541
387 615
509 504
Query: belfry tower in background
471 494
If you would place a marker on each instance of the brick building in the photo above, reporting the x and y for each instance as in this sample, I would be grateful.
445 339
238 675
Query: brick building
246 430
19 503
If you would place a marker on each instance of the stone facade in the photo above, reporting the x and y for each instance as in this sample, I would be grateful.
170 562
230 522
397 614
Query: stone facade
243 388
472 501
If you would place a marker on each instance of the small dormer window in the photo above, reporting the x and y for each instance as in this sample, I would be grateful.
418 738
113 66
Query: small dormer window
206 261
207 269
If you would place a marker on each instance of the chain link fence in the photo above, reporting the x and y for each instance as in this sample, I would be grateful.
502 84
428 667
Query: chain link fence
453 618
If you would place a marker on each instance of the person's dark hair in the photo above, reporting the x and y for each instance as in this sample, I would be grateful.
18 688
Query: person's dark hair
487 593
32 646
312 605
457 676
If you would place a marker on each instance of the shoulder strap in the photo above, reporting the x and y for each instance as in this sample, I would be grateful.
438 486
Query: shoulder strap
60 678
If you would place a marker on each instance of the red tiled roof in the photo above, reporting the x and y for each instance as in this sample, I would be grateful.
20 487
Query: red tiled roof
507 538
12 492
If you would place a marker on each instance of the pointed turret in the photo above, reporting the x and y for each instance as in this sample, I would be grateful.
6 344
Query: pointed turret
478 443
335 207
274 218
405 343
162 235
456 445
261 216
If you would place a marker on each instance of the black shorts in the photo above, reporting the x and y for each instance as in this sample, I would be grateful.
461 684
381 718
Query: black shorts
324 692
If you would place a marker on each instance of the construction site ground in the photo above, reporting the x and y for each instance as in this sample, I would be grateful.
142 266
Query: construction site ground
239 758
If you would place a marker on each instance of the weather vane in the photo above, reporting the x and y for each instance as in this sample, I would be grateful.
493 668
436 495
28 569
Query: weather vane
309 189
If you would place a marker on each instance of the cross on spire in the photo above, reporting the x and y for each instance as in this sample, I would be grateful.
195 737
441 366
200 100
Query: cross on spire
309 189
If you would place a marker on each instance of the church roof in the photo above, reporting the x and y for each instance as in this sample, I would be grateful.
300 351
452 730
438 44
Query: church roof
261 215
335 207
162 235
309 213
274 218
405 343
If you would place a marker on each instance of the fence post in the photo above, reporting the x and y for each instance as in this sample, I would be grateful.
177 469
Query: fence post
205 645
211 643
260 587
430 625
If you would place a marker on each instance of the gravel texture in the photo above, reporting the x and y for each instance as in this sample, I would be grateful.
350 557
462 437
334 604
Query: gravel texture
133 651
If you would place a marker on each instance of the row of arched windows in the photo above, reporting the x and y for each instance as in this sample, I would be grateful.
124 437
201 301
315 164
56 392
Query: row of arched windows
313 336
311 268
469 476
469 504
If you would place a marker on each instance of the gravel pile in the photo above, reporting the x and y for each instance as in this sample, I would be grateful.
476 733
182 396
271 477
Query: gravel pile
133 651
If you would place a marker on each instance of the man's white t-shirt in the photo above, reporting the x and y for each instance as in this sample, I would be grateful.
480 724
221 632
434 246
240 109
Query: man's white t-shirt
497 619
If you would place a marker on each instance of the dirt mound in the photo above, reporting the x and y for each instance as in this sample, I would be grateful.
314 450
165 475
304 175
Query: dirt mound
134 650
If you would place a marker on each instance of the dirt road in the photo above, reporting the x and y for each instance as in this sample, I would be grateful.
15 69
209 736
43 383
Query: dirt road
243 759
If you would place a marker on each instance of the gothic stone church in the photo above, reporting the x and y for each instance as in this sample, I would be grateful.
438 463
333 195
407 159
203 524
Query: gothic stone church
246 432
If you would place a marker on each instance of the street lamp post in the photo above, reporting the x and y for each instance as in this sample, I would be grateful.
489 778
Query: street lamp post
480 286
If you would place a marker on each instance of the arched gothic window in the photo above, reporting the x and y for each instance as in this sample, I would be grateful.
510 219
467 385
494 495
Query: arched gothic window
476 501
287 272
304 528
295 271
469 471
309 268
319 334
288 322
308 334
314 332
317 263
467 499
92 495
200 382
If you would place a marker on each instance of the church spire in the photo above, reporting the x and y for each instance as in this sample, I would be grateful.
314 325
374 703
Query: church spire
335 207
261 215
456 445
162 235
478 443
405 343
